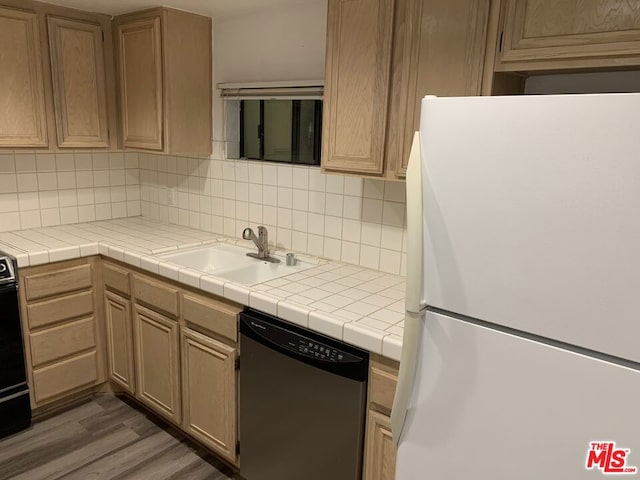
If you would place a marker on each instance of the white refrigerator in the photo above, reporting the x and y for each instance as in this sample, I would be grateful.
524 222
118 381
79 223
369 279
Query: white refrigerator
521 354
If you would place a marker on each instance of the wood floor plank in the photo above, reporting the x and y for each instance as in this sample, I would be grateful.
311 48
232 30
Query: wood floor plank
116 414
124 460
80 456
54 423
177 458
105 439
22 456
199 470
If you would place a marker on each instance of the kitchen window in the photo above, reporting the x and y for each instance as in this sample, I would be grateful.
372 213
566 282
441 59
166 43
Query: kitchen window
278 124
281 130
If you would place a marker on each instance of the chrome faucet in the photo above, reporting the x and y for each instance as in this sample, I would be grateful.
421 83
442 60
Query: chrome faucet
262 242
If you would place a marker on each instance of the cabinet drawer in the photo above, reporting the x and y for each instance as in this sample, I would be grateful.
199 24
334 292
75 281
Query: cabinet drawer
65 376
214 315
155 295
59 342
382 388
45 313
55 283
116 279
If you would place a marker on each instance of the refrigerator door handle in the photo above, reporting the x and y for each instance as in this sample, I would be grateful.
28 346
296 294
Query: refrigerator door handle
413 301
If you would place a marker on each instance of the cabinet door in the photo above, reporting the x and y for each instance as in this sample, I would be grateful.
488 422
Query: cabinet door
209 392
444 56
139 65
77 68
119 340
359 38
572 29
22 108
157 362
380 454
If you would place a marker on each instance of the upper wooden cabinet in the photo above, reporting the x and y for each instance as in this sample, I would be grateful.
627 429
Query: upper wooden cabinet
164 81
547 34
445 44
78 71
56 77
23 118
359 38
383 56
140 76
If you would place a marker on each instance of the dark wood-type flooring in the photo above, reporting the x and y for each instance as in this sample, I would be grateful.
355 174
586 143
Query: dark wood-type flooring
105 439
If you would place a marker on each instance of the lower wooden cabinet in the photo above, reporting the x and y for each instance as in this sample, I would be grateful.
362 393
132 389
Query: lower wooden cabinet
62 328
157 362
119 341
381 453
176 350
209 392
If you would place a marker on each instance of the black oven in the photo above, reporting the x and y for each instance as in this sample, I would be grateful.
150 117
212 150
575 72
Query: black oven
15 409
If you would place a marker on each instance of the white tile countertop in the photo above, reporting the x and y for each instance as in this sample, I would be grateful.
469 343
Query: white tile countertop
359 306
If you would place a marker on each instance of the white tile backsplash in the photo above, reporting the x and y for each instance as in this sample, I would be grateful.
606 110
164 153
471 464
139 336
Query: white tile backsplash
46 189
349 219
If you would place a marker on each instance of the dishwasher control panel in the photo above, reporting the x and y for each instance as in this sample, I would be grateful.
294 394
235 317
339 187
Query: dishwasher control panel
323 352
301 344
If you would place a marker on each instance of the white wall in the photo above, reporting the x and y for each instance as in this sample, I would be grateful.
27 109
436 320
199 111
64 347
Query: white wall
284 43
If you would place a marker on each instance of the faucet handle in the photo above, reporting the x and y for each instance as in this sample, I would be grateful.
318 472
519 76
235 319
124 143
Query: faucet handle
247 233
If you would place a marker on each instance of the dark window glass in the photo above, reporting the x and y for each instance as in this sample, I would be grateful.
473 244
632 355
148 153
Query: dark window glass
281 130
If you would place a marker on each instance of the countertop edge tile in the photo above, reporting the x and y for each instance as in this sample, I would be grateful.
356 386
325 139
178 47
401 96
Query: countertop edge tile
169 270
237 293
324 323
149 264
64 253
132 258
294 313
89 249
190 277
392 347
364 337
212 284
38 258
264 302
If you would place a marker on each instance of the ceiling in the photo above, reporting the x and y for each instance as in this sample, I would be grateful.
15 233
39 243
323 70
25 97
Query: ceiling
212 8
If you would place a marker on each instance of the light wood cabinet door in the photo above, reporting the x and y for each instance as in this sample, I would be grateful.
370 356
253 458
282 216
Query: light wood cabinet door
157 362
78 72
22 99
139 64
380 454
587 33
209 392
119 341
359 39
443 56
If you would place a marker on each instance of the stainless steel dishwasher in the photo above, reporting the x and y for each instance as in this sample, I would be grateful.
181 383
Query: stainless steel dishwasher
302 403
